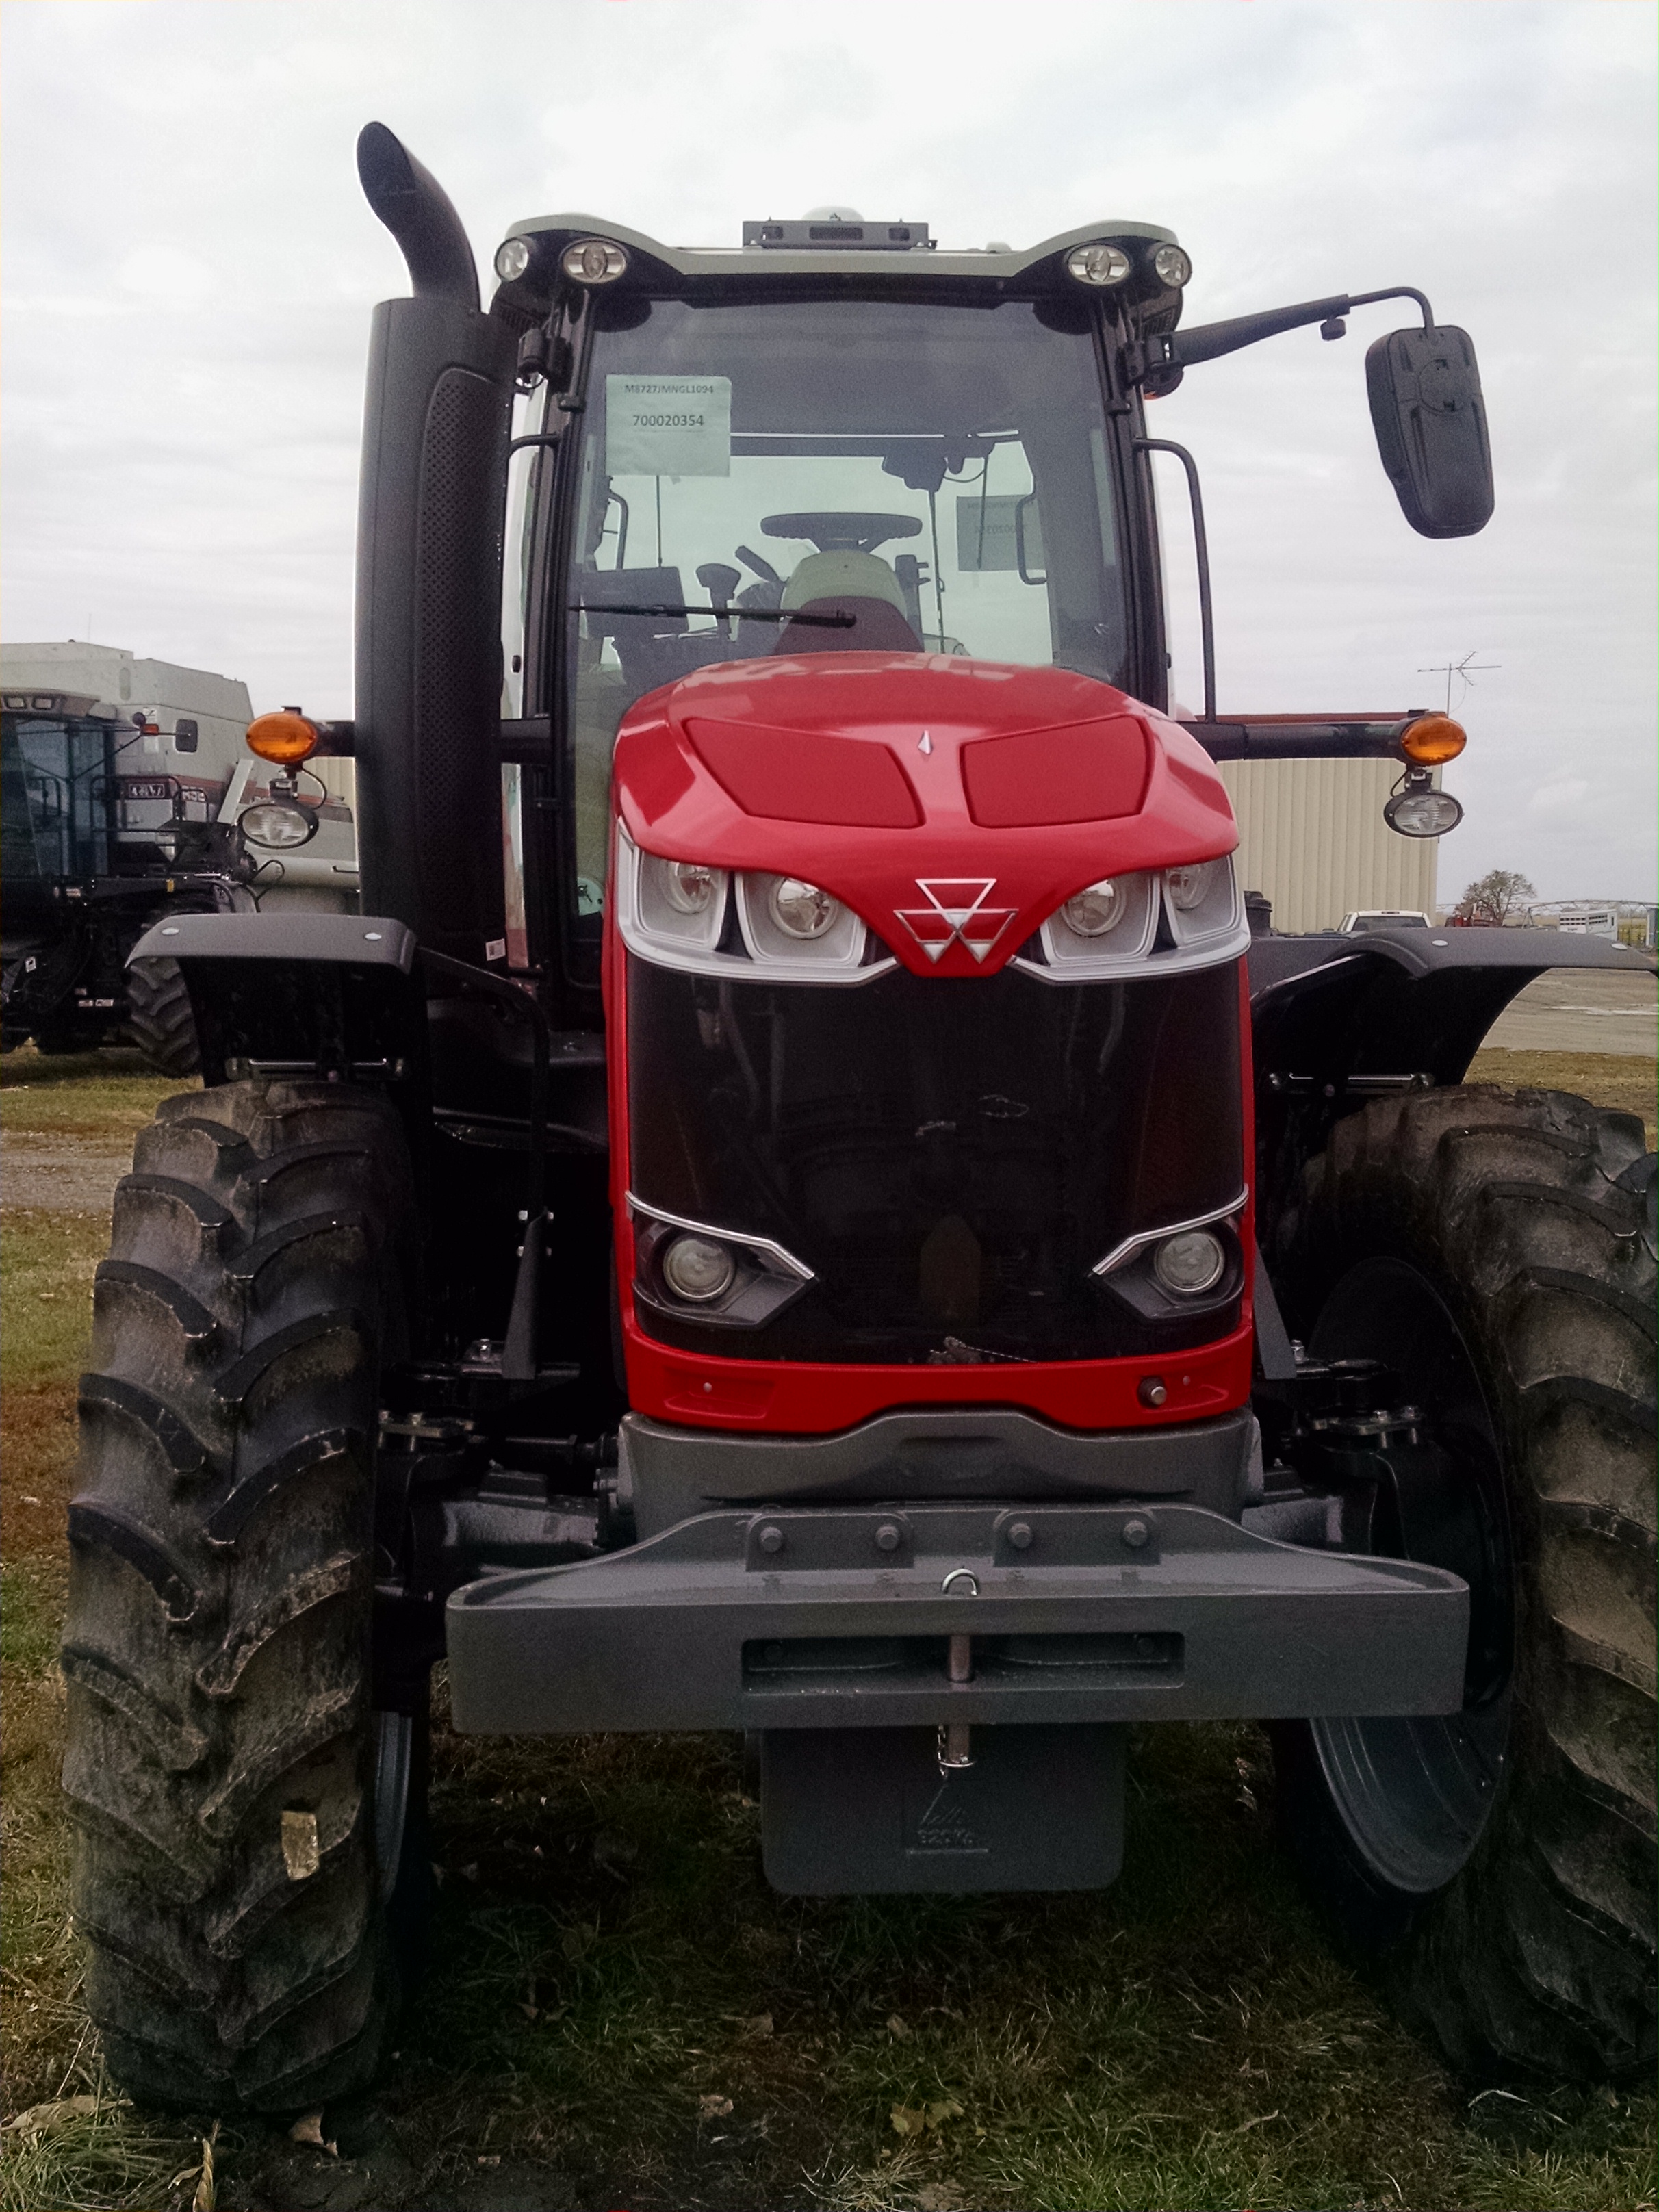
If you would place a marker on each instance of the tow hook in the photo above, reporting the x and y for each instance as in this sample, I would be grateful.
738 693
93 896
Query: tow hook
954 1752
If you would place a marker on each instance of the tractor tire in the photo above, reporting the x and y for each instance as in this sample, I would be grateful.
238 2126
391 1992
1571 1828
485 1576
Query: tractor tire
159 1017
1497 1868
248 1830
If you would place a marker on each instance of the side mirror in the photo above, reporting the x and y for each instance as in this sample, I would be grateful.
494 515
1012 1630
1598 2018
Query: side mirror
1431 424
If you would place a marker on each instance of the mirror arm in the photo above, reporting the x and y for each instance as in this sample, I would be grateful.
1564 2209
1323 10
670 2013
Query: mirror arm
1185 349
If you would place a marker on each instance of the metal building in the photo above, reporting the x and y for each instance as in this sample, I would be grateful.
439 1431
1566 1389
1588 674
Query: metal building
1312 839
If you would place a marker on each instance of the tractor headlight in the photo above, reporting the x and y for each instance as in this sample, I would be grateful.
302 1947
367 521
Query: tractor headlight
1097 265
1172 267
1103 928
593 261
786 920
697 1269
1191 1263
677 913
1201 900
1099 909
280 824
801 908
513 258
689 887
1188 886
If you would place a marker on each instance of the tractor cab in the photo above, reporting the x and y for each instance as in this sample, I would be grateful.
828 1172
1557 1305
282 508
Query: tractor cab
817 446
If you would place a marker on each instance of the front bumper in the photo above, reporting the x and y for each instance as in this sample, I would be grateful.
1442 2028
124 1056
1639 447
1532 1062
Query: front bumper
825 1618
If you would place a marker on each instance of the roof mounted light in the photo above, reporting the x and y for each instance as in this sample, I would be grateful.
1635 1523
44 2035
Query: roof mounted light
513 258
593 261
1099 264
1172 267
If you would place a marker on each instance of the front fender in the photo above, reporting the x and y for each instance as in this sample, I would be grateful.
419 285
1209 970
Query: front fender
1338 1020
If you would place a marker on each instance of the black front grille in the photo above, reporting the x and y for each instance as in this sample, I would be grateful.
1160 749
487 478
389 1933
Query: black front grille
950 1158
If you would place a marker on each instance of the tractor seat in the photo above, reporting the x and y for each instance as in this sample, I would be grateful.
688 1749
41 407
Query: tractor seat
846 582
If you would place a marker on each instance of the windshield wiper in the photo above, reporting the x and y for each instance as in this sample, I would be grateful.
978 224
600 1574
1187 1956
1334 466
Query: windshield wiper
724 614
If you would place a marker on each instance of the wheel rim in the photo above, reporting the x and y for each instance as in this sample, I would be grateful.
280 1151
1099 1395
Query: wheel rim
1415 1794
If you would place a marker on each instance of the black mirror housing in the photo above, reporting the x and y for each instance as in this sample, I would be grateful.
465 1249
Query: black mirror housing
1431 424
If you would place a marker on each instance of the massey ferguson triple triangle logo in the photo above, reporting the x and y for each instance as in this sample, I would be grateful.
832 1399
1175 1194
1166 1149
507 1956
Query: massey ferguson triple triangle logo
956 912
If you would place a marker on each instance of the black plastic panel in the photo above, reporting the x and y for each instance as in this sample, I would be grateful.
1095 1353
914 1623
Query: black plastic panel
863 1812
951 1158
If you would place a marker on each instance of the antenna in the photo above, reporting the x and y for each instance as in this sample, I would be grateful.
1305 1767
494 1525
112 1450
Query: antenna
1465 670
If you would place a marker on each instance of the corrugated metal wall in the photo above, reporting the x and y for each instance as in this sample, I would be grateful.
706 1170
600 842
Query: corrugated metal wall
1312 837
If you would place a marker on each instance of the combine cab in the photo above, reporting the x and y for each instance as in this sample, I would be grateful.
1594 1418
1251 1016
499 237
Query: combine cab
799 1206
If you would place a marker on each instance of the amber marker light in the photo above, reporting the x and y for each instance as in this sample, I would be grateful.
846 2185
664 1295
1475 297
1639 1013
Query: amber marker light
285 740
1432 740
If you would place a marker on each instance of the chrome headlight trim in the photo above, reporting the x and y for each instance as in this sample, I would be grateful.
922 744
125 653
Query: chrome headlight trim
1218 913
835 961
771 1255
1216 931
837 956
1121 1254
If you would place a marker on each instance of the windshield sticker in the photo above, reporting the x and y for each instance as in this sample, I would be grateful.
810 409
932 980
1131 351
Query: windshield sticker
668 426
986 532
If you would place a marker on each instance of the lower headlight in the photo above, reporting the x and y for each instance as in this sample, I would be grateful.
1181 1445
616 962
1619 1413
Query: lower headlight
1191 1263
278 824
1422 813
697 1269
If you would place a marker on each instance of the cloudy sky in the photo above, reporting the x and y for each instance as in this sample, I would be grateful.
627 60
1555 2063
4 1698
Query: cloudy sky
189 267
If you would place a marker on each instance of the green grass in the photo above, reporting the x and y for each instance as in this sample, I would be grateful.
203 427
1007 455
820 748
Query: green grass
610 1968
104 1094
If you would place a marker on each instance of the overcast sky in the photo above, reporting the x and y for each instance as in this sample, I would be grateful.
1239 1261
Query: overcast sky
189 267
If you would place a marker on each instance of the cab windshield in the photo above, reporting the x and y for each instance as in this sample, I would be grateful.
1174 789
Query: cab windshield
815 476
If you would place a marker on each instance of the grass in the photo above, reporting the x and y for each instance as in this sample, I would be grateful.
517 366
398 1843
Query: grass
104 1095
620 2012
1621 1079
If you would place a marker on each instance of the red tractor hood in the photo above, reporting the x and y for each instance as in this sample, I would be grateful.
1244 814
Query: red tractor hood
954 804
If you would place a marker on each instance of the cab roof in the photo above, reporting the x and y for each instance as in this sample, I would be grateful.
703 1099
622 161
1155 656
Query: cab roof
983 263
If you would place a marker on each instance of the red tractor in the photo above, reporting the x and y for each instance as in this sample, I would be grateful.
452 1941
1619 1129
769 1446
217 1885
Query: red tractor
799 1206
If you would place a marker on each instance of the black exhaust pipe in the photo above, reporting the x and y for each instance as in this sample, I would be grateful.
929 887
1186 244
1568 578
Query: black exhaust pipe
433 495
420 215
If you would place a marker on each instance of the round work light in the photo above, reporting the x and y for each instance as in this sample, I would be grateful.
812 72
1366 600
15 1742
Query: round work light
593 261
1422 813
1100 265
279 824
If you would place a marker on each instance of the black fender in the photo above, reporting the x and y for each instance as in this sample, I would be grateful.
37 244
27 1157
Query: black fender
1336 1021
335 995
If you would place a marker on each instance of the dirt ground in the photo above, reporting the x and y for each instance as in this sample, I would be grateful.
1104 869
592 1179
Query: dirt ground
1586 1009
619 2012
